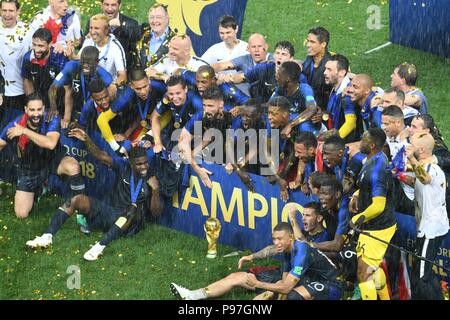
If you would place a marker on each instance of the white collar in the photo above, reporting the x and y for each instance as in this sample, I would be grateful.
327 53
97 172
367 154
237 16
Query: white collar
111 38
395 139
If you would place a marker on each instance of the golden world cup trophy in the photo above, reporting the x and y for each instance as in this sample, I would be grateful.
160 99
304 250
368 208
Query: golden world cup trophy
212 229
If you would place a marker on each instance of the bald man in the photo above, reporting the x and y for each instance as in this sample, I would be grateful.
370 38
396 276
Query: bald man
257 53
431 214
361 94
179 57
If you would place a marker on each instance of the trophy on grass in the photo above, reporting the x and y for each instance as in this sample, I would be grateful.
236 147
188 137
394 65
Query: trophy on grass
212 229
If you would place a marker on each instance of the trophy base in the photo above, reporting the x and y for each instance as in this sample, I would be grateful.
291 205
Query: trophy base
211 255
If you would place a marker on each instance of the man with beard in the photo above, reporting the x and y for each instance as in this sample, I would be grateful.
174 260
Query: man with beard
40 66
342 114
75 77
182 103
307 274
36 140
122 214
361 94
212 117
111 54
314 65
372 206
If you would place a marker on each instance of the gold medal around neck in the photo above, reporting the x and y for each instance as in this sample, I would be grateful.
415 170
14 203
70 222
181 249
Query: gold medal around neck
177 125
143 124
325 117
282 155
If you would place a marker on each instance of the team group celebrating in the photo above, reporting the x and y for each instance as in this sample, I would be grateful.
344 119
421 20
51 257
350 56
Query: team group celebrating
357 151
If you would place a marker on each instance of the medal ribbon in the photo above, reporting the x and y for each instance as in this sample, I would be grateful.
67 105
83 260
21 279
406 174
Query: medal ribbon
147 105
83 89
340 175
134 192
180 114
365 112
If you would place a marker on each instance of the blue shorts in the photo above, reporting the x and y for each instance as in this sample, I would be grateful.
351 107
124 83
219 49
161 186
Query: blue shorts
102 215
320 289
268 276
31 180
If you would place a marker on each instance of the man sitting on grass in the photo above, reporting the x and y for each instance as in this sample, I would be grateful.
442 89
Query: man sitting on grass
122 213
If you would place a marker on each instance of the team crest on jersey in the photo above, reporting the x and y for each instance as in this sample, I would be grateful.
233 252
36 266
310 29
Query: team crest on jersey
298 270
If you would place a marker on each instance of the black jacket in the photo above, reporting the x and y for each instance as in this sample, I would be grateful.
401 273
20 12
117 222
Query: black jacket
317 80
141 50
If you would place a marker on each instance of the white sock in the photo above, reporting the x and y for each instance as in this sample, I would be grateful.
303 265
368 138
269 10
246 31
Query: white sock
198 294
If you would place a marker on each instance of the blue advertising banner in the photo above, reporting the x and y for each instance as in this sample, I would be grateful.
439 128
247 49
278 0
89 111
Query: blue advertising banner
248 218
422 25
200 19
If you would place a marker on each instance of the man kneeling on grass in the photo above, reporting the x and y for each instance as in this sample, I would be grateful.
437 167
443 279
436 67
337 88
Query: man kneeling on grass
121 213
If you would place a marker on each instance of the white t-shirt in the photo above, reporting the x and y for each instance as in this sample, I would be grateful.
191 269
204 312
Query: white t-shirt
219 52
168 66
431 212
15 42
112 55
409 112
72 32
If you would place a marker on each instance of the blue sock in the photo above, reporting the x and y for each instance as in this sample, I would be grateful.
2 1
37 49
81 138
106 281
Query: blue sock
57 221
113 233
